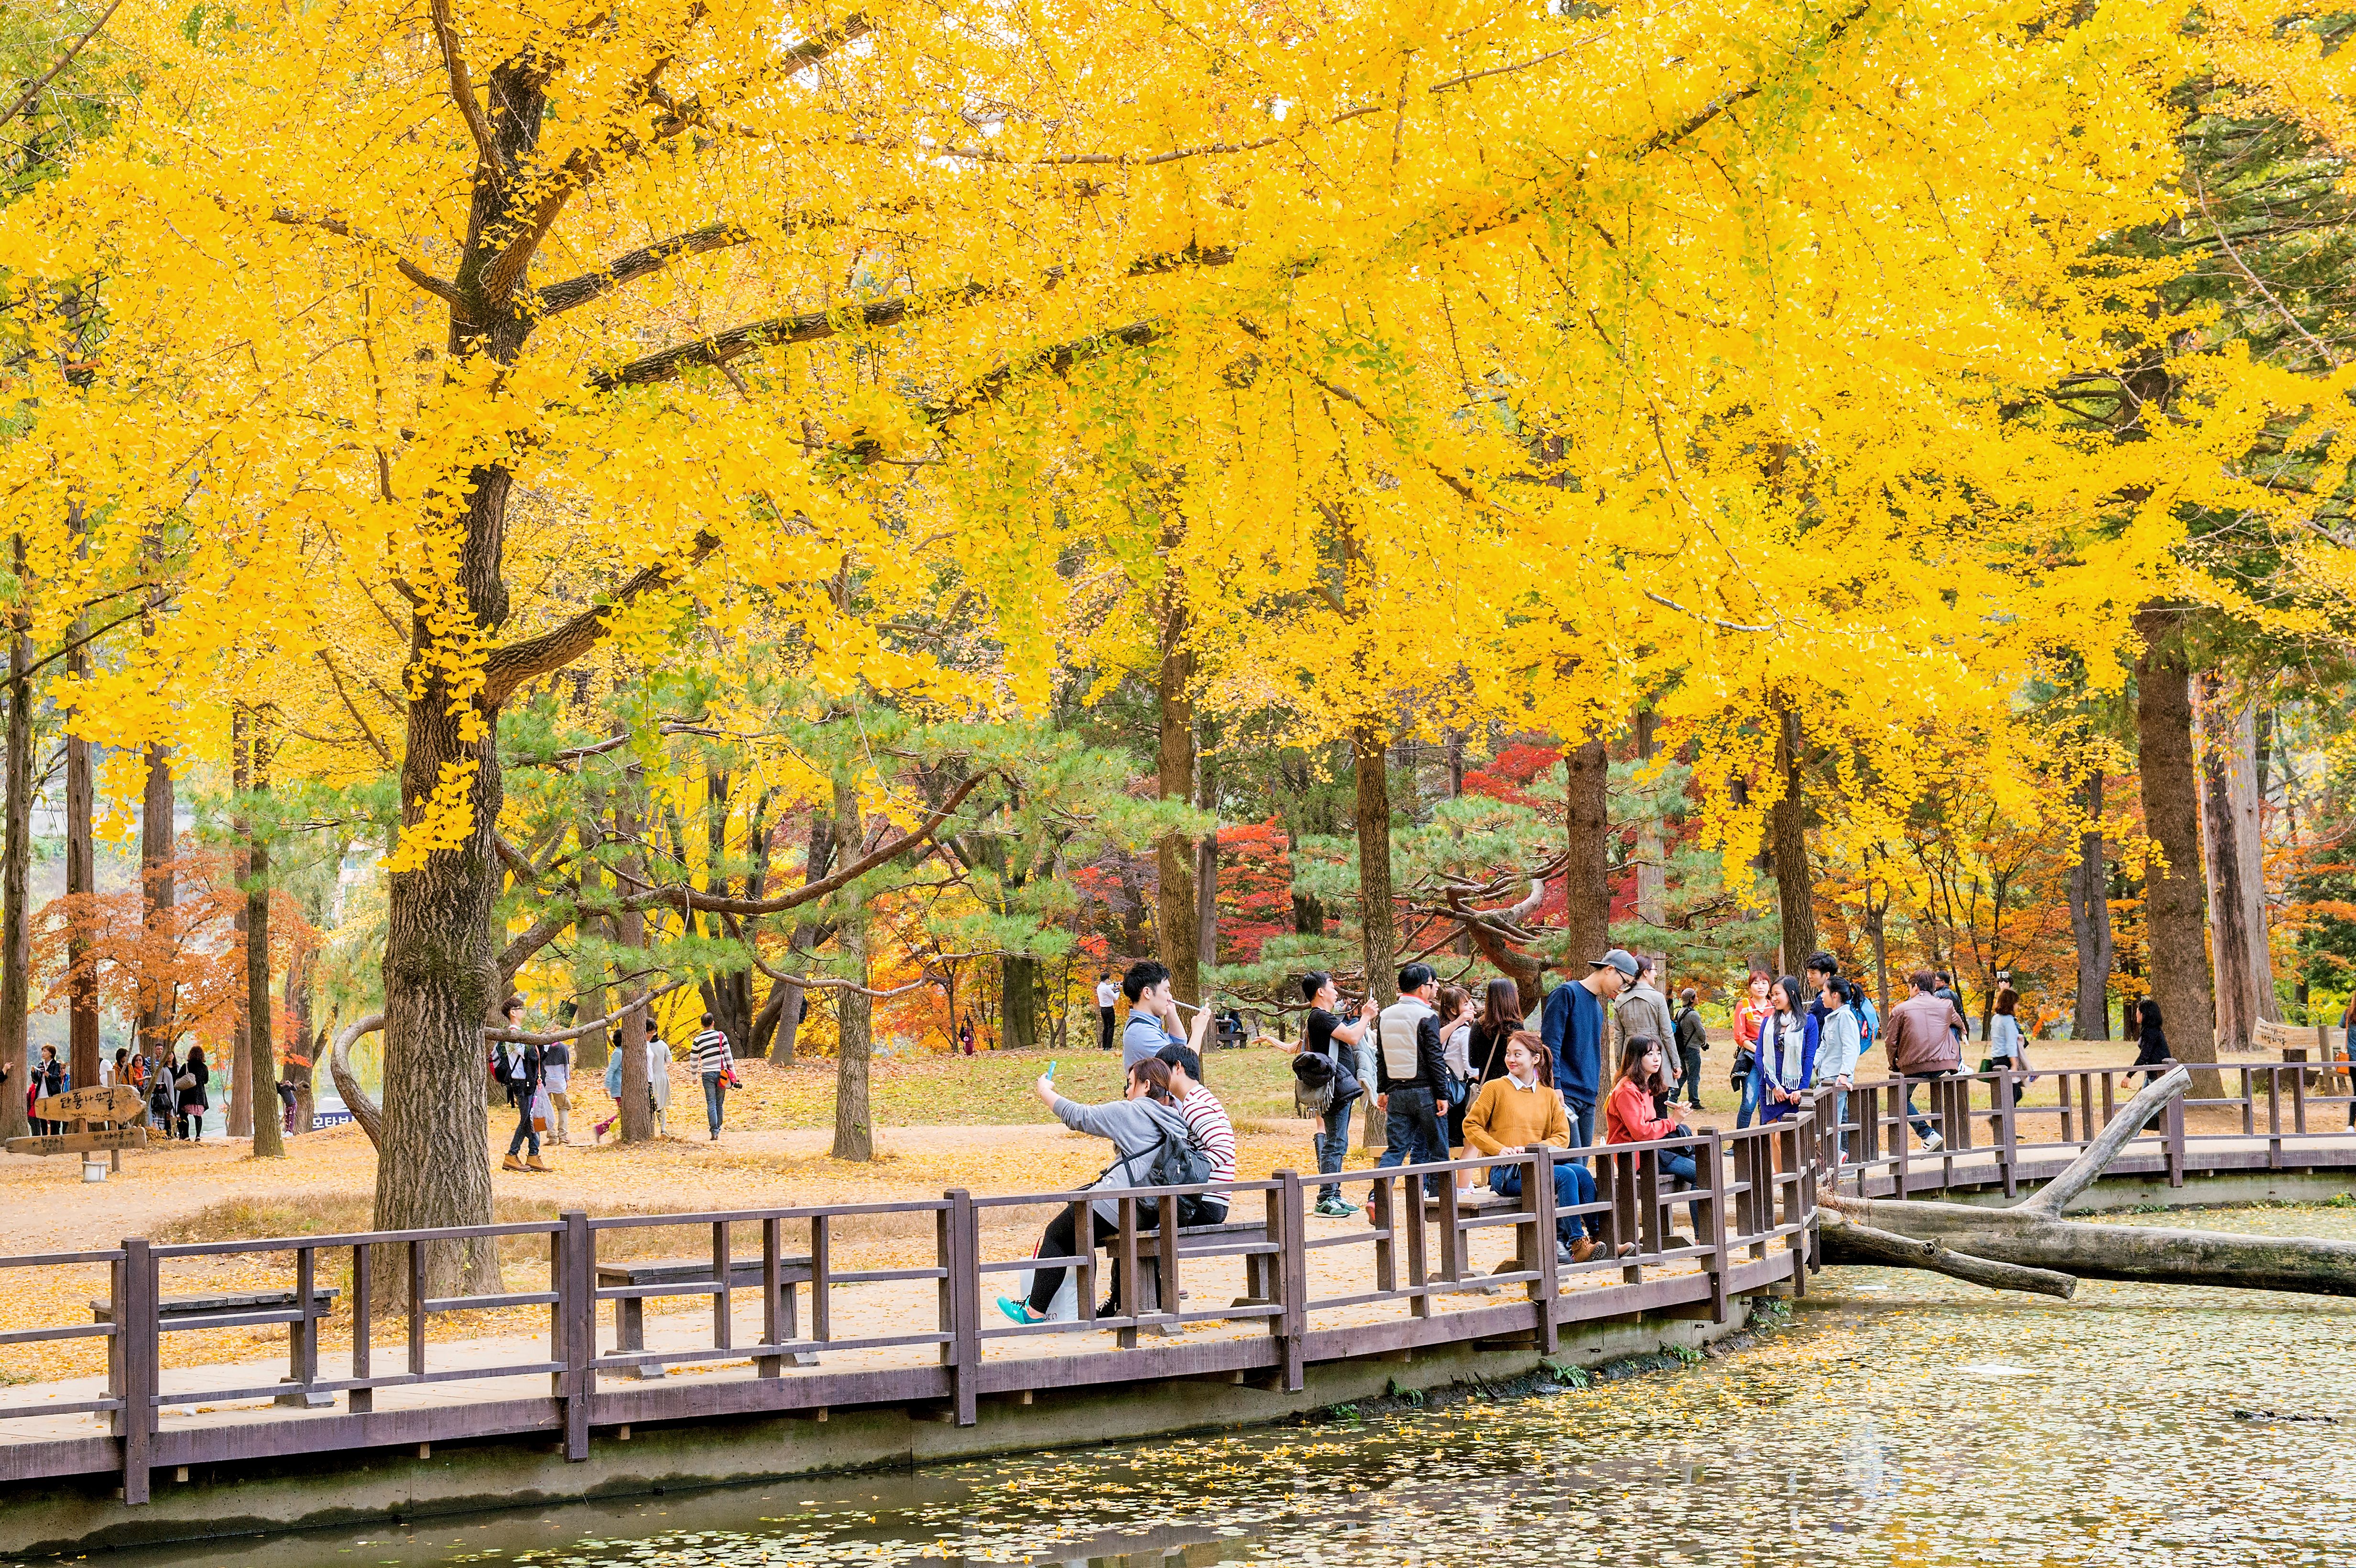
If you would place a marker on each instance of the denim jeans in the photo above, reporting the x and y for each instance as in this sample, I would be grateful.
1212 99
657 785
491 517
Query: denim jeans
525 1130
1692 1084
1582 1122
715 1094
1840 1115
1573 1184
1749 1107
1412 1133
1923 1128
1333 1146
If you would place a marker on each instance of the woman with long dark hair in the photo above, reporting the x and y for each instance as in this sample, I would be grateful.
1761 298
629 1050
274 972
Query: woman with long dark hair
1501 1016
1787 1061
2151 1039
193 1079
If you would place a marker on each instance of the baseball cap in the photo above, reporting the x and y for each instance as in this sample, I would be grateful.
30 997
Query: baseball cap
1619 958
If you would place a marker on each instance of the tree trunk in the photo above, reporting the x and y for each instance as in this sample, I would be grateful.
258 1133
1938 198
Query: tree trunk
1587 875
765 1021
2175 912
81 877
590 994
15 874
2230 944
1378 931
260 1030
1019 988
1788 845
1206 869
157 843
2090 921
818 863
854 1122
1652 872
1178 919
239 1121
637 1025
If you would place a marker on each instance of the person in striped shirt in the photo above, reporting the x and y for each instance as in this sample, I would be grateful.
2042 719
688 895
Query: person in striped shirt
717 1067
1213 1134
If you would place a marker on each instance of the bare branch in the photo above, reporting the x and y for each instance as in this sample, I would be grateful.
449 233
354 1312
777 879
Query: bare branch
441 289
792 62
32 94
517 1037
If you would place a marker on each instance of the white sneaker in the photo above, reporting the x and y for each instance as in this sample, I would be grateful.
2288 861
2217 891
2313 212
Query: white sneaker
1932 1143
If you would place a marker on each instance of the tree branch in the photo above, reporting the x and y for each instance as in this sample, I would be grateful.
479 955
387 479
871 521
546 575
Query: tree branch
644 261
461 89
32 94
505 668
445 292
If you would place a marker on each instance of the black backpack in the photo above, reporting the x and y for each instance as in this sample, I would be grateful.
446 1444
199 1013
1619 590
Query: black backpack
1179 1162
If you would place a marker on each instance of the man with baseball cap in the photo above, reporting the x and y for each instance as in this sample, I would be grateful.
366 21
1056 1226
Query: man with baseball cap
1576 1019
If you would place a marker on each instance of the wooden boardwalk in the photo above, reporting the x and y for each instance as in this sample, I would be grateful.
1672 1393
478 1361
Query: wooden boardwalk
788 1320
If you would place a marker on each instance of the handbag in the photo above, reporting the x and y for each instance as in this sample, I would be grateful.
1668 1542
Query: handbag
185 1080
544 1115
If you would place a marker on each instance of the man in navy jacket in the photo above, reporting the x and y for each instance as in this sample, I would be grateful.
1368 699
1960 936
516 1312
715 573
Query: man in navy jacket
1574 1024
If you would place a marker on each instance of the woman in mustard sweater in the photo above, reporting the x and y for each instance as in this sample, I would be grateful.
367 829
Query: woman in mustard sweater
1517 1111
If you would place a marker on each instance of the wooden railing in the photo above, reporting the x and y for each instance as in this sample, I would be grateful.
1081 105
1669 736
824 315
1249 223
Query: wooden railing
1404 1277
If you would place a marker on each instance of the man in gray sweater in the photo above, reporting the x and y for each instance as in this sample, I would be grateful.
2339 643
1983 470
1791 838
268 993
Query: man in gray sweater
1644 1013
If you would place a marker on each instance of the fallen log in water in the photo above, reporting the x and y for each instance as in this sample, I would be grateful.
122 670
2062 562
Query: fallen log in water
1844 1241
2032 1235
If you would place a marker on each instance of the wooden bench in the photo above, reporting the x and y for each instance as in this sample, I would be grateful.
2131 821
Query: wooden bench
744 1274
302 1331
1199 1240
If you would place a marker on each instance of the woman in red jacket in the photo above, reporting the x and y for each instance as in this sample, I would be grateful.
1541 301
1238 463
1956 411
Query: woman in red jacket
1628 1116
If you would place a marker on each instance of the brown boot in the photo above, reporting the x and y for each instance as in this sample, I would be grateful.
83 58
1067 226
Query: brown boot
1582 1249
535 1163
511 1163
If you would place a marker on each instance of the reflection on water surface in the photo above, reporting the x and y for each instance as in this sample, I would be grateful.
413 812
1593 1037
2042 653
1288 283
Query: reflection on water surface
1901 1420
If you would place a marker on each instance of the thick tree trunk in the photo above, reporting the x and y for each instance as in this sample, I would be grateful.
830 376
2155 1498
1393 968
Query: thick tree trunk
1019 988
1178 923
15 882
1587 875
157 844
1787 823
261 1033
81 877
793 1005
1846 1241
2237 986
2090 921
2175 916
854 1121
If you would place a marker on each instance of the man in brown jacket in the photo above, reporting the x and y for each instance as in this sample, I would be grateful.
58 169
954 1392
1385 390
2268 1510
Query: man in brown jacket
1924 1035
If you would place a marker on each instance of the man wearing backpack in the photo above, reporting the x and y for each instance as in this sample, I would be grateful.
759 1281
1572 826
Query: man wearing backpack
1213 1132
518 1069
1412 1075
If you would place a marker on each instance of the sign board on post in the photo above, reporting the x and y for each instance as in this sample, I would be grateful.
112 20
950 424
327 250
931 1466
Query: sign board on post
81 1143
114 1103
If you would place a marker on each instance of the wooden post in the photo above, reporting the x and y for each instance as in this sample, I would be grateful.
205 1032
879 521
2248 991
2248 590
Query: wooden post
961 1303
823 1277
2007 1130
576 1314
1538 1245
1385 1218
723 1325
1717 1218
2173 1134
135 1334
1168 1296
773 1328
1418 1271
360 1401
1126 1291
1451 1234
1289 1228
416 1307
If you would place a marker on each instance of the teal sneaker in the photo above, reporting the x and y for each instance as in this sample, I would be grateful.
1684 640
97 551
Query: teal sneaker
1018 1310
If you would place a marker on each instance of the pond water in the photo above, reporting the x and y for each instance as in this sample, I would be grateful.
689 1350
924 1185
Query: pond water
1899 1420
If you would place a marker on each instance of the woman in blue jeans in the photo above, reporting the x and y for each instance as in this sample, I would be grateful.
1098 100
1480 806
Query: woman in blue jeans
1515 1111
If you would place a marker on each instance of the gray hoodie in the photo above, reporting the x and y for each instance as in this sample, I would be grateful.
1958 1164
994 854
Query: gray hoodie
1135 1127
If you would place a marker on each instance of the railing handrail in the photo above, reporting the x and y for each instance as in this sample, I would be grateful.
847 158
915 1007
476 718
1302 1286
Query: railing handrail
1752 1211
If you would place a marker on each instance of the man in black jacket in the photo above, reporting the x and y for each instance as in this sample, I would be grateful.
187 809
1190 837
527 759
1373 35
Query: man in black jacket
1411 1077
1693 1039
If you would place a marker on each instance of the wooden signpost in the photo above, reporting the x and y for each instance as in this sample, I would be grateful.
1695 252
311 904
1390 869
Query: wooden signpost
114 1102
